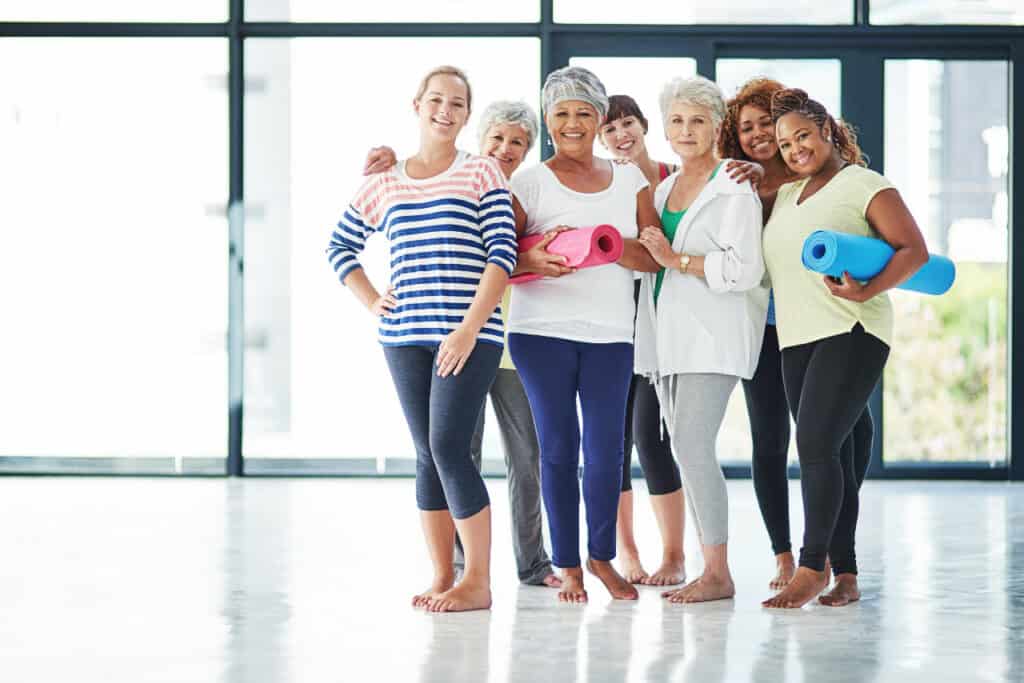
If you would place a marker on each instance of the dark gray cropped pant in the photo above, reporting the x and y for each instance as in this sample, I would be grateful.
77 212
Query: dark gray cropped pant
441 413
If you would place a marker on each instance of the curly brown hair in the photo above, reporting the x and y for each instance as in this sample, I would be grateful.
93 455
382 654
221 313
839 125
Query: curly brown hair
756 92
844 138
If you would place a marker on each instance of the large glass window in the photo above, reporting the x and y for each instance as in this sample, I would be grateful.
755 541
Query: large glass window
114 10
947 151
696 12
113 266
317 385
392 11
947 12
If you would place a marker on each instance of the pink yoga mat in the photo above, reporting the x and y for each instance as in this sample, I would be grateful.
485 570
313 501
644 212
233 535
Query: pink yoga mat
583 247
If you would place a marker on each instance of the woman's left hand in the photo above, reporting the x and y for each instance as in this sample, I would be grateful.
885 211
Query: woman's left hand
656 243
454 351
847 288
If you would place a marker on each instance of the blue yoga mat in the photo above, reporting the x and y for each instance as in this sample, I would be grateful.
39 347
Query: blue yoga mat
832 253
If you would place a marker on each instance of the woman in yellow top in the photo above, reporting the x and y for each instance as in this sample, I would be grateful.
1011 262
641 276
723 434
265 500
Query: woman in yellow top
834 333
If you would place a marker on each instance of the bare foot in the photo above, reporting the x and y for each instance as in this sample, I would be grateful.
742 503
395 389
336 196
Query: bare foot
704 589
552 581
785 568
468 595
805 585
843 593
440 585
670 573
612 580
632 570
572 586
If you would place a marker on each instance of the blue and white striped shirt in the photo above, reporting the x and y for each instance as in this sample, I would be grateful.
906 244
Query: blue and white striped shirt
443 232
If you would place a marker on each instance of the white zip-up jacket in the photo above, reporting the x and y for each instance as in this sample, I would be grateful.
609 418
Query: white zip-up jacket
713 325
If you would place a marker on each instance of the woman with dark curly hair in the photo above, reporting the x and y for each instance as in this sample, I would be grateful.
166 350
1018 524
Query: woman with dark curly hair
748 135
834 339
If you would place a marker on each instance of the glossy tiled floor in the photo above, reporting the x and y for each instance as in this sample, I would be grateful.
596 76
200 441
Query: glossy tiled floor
309 580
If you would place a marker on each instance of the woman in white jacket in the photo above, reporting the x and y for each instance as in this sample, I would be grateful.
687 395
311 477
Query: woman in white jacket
701 319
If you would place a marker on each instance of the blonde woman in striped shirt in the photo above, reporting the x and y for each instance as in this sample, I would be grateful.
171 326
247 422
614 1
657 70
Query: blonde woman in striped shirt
448 217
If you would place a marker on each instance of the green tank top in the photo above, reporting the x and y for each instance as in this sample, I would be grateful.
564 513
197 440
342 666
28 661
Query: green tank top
669 224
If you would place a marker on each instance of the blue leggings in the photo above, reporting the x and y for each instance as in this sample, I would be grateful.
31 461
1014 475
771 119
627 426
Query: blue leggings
554 371
441 413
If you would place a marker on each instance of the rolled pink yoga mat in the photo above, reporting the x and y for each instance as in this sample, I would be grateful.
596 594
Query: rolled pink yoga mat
583 247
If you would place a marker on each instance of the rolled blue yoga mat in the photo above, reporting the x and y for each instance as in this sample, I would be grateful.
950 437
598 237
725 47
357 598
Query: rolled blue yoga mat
832 253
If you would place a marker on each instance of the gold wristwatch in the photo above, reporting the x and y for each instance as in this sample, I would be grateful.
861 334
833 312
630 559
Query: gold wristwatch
684 262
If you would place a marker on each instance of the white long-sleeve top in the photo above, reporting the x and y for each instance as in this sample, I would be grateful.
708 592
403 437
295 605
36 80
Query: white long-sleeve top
713 324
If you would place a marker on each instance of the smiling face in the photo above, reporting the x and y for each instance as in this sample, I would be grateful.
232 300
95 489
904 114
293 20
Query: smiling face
802 144
690 130
572 125
624 137
443 109
756 133
508 143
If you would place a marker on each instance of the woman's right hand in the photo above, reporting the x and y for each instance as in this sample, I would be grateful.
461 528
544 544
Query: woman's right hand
537 259
384 303
379 159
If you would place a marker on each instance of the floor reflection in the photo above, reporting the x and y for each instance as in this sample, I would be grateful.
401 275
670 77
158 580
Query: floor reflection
256 601
310 580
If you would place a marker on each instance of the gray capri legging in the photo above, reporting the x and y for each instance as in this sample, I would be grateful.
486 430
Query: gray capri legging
694 408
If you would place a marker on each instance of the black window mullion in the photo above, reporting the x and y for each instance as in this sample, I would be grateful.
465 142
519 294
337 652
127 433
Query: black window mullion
1016 228
862 93
235 466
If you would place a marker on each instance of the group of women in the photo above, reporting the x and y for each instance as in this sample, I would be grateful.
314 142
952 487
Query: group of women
709 291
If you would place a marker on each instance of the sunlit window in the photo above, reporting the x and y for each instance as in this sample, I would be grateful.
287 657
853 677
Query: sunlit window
947 151
317 385
114 178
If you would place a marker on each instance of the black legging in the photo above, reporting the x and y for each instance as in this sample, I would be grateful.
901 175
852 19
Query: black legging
828 383
644 425
769 430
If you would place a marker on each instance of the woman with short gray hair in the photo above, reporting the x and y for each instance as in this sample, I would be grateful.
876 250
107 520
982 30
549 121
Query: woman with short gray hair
701 318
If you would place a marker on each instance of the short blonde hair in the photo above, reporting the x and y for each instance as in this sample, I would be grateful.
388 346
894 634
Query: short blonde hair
446 70
697 91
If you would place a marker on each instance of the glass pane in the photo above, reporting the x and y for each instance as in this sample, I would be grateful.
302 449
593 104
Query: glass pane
947 150
695 12
114 178
114 10
642 79
947 12
317 385
452 11
821 78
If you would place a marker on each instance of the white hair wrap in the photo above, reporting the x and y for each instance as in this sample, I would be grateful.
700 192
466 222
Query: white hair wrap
575 83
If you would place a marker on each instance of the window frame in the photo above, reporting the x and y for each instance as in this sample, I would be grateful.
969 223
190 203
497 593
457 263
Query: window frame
861 47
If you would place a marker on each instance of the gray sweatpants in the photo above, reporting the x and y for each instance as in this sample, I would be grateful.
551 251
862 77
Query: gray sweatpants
522 463
694 407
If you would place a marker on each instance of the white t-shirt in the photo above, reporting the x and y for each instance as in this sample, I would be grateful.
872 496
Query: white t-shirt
592 305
